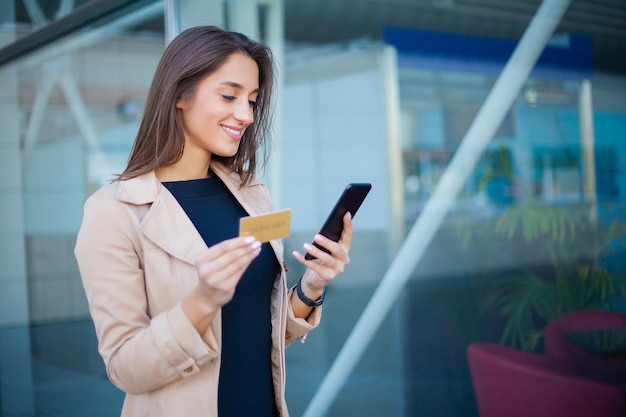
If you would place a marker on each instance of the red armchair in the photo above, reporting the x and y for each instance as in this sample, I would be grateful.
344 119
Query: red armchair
559 344
511 383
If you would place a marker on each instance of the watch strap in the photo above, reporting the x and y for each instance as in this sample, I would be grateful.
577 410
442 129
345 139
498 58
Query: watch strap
306 300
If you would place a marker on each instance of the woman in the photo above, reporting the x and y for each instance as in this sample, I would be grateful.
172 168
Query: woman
192 320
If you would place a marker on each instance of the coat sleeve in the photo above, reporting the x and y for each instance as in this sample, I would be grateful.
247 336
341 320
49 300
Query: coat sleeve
298 328
141 353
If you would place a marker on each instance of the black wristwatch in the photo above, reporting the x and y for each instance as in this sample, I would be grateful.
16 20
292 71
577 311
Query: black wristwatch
306 300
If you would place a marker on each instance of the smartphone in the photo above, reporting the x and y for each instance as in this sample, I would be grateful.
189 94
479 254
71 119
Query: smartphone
349 201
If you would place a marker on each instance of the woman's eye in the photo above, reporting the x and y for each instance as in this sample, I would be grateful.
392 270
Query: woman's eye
228 98
253 104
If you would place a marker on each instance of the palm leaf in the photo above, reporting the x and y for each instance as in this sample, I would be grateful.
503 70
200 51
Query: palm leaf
518 299
535 221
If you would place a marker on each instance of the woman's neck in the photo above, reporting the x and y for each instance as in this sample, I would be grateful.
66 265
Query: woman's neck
183 170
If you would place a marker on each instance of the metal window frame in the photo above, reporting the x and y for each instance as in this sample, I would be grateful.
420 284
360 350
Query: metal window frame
99 11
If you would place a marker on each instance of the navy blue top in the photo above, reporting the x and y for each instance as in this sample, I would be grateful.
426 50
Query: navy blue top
245 385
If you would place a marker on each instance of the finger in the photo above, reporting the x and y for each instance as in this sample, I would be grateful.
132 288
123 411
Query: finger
238 258
220 249
346 234
337 250
228 262
222 284
314 265
319 255
327 266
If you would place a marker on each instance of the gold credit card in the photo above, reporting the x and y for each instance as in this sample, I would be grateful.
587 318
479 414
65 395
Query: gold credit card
266 227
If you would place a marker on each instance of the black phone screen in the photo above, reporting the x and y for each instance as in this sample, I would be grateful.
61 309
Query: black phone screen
349 201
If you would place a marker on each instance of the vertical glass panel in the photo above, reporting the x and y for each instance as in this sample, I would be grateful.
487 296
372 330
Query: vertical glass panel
537 230
75 108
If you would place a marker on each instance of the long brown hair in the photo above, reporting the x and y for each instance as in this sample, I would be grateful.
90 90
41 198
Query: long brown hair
187 60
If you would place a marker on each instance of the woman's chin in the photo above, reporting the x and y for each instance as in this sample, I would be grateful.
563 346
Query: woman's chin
226 154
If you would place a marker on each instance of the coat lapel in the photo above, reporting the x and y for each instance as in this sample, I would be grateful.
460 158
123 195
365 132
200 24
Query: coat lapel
167 226
165 222
244 195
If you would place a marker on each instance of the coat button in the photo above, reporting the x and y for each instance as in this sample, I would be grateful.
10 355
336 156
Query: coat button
288 335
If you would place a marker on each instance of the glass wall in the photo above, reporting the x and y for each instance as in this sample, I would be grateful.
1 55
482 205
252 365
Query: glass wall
535 232
380 96
70 112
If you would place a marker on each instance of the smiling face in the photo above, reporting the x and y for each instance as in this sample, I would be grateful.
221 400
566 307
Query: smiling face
215 118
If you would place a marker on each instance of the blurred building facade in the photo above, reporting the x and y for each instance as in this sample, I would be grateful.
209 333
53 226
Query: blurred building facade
381 92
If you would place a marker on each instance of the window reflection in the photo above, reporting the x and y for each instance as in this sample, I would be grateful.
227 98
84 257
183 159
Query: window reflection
535 232
71 110
538 228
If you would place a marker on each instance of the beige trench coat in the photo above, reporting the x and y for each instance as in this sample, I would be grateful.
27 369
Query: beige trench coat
135 250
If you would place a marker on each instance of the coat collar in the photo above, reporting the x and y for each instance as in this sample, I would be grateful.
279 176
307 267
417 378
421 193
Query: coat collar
146 188
166 224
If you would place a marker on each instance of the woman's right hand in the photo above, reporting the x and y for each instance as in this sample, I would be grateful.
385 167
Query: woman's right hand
219 270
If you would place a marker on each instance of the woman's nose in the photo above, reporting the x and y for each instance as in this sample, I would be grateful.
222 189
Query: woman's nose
244 112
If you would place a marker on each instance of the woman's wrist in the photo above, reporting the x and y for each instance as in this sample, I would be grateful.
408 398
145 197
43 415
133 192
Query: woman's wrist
199 311
308 296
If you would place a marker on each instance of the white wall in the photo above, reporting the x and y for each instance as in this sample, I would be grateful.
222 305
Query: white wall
335 120
334 133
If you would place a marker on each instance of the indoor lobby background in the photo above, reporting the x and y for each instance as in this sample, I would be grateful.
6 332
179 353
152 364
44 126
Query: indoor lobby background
379 91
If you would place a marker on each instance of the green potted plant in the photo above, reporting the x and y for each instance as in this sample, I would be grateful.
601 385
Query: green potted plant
576 245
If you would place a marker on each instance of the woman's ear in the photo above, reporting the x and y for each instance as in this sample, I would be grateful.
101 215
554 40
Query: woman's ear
180 103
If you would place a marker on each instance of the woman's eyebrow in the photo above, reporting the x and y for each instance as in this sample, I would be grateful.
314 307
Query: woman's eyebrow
237 85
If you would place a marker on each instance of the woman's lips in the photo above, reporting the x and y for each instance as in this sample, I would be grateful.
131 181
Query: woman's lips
233 132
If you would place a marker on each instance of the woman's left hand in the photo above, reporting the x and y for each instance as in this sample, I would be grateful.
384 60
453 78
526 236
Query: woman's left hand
321 271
